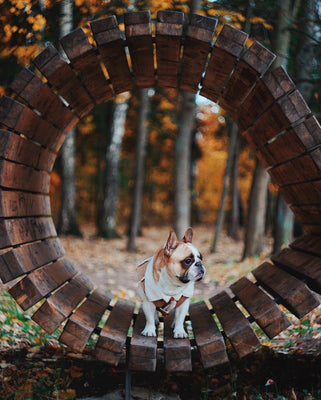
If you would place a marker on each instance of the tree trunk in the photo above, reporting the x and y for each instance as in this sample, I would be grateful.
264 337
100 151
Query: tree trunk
67 219
106 222
254 238
229 162
182 193
142 138
234 219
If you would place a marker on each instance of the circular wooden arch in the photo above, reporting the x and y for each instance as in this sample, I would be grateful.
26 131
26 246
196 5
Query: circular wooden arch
271 115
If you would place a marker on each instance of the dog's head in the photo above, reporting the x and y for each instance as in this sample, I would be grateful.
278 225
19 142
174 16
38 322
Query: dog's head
183 261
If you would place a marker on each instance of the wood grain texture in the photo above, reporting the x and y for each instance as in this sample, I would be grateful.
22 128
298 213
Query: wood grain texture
138 32
226 51
110 44
60 75
177 351
308 243
40 282
59 305
23 204
24 259
236 326
21 230
38 95
84 320
22 119
113 335
83 57
302 193
301 265
253 63
293 293
169 29
261 307
197 45
143 349
209 339
16 148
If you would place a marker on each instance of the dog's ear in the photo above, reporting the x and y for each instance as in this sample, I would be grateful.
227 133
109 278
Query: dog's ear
171 243
188 236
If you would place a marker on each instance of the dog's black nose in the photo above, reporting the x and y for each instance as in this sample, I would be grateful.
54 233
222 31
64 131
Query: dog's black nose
198 264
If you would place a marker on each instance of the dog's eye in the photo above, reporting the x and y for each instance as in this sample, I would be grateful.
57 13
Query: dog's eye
188 261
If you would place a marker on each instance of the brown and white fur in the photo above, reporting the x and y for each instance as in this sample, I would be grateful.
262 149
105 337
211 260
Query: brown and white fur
169 275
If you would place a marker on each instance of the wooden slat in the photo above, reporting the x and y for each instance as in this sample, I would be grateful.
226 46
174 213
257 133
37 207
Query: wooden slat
302 193
308 243
313 229
15 148
21 230
84 59
109 40
308 214
143 349
273 85
284 112
38 95
294 294
236 326
40 282
60 75
17 176
197 44
84 320
24 259
252 64
226 50
22 119
169 29
112 338
209 339
59 305
296 140
302 265
177 351
262 308
23 204
138 32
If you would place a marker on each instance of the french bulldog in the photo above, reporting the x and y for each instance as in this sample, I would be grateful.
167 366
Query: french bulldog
166 282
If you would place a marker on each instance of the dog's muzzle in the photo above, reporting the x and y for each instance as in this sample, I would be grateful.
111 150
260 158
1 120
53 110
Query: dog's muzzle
201 270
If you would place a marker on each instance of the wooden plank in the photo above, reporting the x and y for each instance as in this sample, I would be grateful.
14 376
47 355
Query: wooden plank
110 43
209 339
24 259
60 75
112 338
138 32
17 176
302 265
197 45
308 243
84 320
261 307
143 349
226 51
40 282
252 64
22 119
23 204
273 85
236 326
312 229
293 293
284 112
83 57
308 214
16 148
59 305
302 193
38 95
296 140
169 29
21 230
177 351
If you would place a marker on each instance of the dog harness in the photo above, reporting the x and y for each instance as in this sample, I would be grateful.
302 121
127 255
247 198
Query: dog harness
161 305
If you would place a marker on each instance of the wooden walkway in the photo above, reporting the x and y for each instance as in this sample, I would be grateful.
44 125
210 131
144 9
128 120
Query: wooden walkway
271 115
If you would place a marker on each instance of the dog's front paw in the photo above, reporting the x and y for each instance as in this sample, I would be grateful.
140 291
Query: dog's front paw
180 333
149 330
